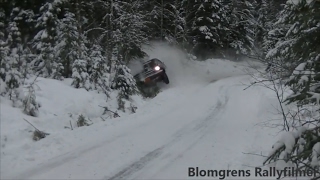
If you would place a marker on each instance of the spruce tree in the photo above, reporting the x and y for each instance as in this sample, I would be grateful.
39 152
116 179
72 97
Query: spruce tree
267 31
128 32
126 85
12 63
300 49
302 42
241 26
46 64
80 73
210 26
4 50
98 71
66 47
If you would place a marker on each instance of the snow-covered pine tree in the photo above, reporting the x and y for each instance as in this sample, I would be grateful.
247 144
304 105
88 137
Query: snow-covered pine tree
265 14
176 22
72 45
67 41
131 26
125 83
98 71
269 32
182 31
4 50
241 27
276 34
166 20
47 63
2 25
282 39
301 49
260 13
12 63
210 26
155 17
24 16
14 68
29 103
19 48
260 16
104 34
80 73
124 28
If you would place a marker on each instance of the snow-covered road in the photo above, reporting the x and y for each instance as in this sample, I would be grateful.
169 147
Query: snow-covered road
202 119
208 126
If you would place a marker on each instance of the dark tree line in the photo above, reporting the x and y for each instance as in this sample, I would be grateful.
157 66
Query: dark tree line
92 41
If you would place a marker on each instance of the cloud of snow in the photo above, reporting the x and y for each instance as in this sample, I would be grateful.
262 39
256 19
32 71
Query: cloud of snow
178 65
182 70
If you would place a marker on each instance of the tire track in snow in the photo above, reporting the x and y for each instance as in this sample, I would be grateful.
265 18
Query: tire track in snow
196 125
138 165
64 158
200 132
202 125
73 155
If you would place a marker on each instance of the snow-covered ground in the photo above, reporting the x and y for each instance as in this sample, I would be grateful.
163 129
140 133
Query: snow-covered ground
203 118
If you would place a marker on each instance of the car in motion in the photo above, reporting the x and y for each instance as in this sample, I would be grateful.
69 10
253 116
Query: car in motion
153 71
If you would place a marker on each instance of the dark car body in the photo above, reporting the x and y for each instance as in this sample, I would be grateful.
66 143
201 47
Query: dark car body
153 71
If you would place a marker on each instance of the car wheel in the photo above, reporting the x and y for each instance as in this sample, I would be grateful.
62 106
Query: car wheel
165 78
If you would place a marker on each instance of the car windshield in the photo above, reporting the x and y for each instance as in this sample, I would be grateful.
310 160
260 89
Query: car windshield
150 64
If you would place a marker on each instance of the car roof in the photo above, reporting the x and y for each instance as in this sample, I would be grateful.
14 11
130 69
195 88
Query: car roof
151 60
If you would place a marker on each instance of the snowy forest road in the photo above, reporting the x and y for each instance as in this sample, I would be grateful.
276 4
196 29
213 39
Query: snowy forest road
201 126
180 142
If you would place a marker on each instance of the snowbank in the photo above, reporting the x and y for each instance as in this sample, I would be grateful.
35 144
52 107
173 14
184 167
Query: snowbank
60 108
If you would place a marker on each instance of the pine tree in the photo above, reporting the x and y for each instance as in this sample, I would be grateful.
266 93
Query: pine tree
241 27
67 43
25 17
98 71
302 41
300 49
23 53
124 28
11 67
15 46
80 48
165 20
267 31
128 32
125 83
80 73
4 50
156 16
210 26
46 63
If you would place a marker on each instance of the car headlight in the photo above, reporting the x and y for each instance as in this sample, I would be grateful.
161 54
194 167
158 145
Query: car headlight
157 68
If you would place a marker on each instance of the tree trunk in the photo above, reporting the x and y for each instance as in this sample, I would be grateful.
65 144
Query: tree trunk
161 25
109 37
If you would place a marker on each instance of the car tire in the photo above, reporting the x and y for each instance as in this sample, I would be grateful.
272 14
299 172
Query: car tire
165 78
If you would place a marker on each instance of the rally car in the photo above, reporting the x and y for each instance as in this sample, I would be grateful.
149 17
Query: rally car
153 71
